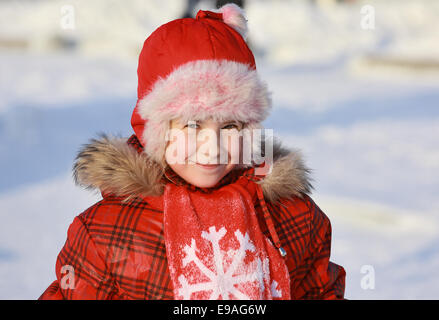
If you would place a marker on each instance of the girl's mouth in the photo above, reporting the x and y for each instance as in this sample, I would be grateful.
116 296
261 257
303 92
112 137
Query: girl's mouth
208 166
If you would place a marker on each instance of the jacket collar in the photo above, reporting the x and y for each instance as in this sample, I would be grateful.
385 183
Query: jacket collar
119 166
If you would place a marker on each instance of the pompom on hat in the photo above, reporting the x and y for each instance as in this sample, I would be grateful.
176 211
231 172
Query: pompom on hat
195 69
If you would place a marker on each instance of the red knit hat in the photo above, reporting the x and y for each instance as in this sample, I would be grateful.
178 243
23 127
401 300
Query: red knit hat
195 69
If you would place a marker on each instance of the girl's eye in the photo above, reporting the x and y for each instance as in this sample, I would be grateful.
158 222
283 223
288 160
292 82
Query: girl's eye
231 126
192 126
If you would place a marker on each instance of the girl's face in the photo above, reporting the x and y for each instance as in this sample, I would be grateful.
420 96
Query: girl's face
203 152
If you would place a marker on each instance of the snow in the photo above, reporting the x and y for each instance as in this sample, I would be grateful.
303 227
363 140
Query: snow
367 129
34 226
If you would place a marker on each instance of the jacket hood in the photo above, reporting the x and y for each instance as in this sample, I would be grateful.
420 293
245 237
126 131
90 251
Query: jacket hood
119 166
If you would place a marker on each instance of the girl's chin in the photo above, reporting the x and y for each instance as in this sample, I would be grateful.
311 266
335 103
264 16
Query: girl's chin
205 183
203 176
206 179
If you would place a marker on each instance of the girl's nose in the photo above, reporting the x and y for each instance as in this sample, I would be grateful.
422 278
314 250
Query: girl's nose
209 148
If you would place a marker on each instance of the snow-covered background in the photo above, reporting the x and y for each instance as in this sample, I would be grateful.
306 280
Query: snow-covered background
362 105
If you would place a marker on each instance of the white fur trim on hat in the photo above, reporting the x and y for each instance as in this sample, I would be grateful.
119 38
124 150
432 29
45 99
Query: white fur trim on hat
221 90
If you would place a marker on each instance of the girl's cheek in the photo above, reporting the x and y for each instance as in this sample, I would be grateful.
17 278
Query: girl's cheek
176 151
231 146
191 146
235 150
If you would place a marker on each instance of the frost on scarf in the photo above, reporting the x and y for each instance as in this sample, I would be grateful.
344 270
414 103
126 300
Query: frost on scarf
216 249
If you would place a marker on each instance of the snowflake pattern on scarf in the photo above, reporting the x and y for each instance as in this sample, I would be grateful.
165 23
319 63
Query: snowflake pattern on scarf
223 281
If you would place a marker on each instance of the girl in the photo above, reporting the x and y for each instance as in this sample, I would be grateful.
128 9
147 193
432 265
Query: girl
180 218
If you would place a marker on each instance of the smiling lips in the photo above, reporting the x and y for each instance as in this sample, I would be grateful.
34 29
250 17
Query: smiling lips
208 166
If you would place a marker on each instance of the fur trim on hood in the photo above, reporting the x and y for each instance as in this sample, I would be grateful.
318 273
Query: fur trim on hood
113 166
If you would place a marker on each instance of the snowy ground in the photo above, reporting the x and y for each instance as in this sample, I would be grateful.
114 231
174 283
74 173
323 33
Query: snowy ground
368 133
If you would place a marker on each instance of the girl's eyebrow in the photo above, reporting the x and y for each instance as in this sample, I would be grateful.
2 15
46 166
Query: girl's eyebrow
183 123
229 122
201 122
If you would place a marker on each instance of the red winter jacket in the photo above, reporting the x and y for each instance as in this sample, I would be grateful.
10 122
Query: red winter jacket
115 249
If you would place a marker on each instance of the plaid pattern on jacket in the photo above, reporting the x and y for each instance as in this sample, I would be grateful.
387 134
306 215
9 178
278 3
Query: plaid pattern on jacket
116 250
